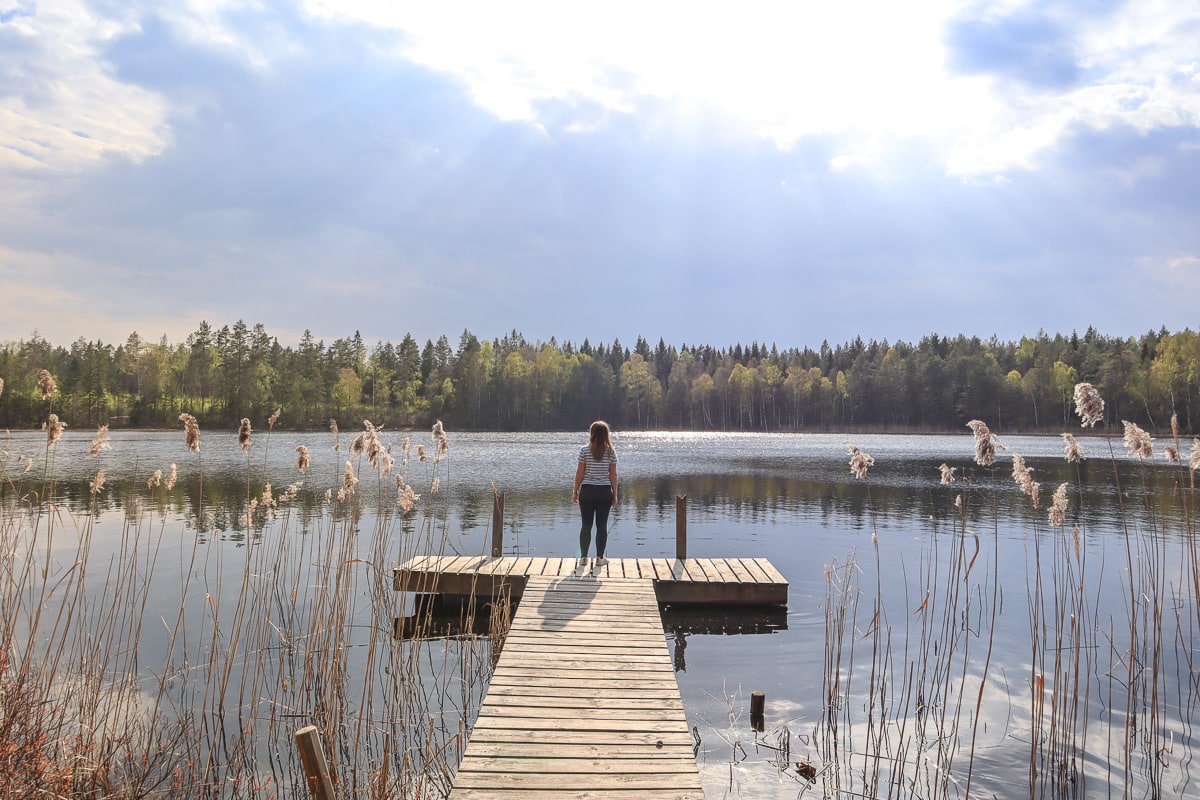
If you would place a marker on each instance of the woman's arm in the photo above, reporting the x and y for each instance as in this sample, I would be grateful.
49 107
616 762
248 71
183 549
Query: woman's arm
612 479
578 480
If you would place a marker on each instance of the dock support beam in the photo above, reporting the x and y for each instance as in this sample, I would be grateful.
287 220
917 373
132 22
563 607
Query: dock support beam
681 527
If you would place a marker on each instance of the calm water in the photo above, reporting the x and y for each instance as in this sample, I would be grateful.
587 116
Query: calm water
789 498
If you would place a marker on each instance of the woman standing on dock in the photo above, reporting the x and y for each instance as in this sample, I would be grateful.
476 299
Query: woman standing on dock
595 487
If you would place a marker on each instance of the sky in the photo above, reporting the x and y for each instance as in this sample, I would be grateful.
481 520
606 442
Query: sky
704 173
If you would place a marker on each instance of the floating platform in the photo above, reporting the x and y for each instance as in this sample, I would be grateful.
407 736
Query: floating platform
709 581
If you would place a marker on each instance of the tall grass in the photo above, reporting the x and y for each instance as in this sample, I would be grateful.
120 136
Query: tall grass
108 690
922 699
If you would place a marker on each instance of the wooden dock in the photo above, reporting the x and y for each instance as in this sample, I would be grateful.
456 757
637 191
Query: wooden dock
715 581
583 703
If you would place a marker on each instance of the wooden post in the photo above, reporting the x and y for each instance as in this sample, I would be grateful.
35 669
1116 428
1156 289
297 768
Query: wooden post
681 527
312 757
758 704
497 524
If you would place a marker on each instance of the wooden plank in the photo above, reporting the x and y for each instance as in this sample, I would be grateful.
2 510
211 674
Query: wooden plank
754 569
772 573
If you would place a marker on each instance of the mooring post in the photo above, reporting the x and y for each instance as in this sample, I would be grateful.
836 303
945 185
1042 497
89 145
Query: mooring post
312 758
497 524
758 706
681 527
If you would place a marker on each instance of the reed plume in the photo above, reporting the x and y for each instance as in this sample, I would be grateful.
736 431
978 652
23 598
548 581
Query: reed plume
244 435
172 476
1058 506
947 473
985 443
1023 477
54 428
859 461
303 461
1088 405
155 480
46 384
1074 453
101 442
1137 441
96 484
191 431
271 420
1 386
1171 454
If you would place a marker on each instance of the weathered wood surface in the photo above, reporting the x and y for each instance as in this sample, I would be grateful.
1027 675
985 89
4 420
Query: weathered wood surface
718 581
583 703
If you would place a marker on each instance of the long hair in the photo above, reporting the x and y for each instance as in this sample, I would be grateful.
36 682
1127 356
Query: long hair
599 440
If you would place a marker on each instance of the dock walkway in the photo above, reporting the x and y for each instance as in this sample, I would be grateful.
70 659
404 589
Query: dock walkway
583 703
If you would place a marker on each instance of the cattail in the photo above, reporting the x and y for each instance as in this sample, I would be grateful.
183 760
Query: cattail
46 384
54 428
244 435
101 442
859 461
985 443
271 420
172 476
192 432
97 483
302 461
1088 405
155 480
947 473
1171 454
1072 449
1137 440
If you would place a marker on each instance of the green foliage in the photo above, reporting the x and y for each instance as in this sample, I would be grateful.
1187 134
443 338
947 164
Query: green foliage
509 383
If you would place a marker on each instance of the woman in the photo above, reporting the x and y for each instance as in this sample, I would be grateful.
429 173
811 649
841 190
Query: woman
596 487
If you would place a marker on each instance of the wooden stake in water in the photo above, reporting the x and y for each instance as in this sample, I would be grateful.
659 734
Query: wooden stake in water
312 757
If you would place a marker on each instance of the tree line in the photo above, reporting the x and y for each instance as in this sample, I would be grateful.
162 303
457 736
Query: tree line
221 375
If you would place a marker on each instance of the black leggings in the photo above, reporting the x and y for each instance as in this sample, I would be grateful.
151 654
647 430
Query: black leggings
594 503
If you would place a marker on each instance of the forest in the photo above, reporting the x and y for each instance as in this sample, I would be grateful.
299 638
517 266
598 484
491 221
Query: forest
221 375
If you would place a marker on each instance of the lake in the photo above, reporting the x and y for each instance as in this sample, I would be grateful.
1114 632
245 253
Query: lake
902 604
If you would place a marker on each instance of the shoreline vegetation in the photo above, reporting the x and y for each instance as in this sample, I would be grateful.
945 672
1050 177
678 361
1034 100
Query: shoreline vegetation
511 384
284 631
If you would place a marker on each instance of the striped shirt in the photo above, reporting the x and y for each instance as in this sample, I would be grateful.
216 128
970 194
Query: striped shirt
596 472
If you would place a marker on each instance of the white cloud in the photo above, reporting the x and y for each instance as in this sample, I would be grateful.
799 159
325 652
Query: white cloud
65 108
871 74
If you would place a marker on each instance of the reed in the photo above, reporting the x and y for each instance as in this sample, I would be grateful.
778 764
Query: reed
913 694
103 692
